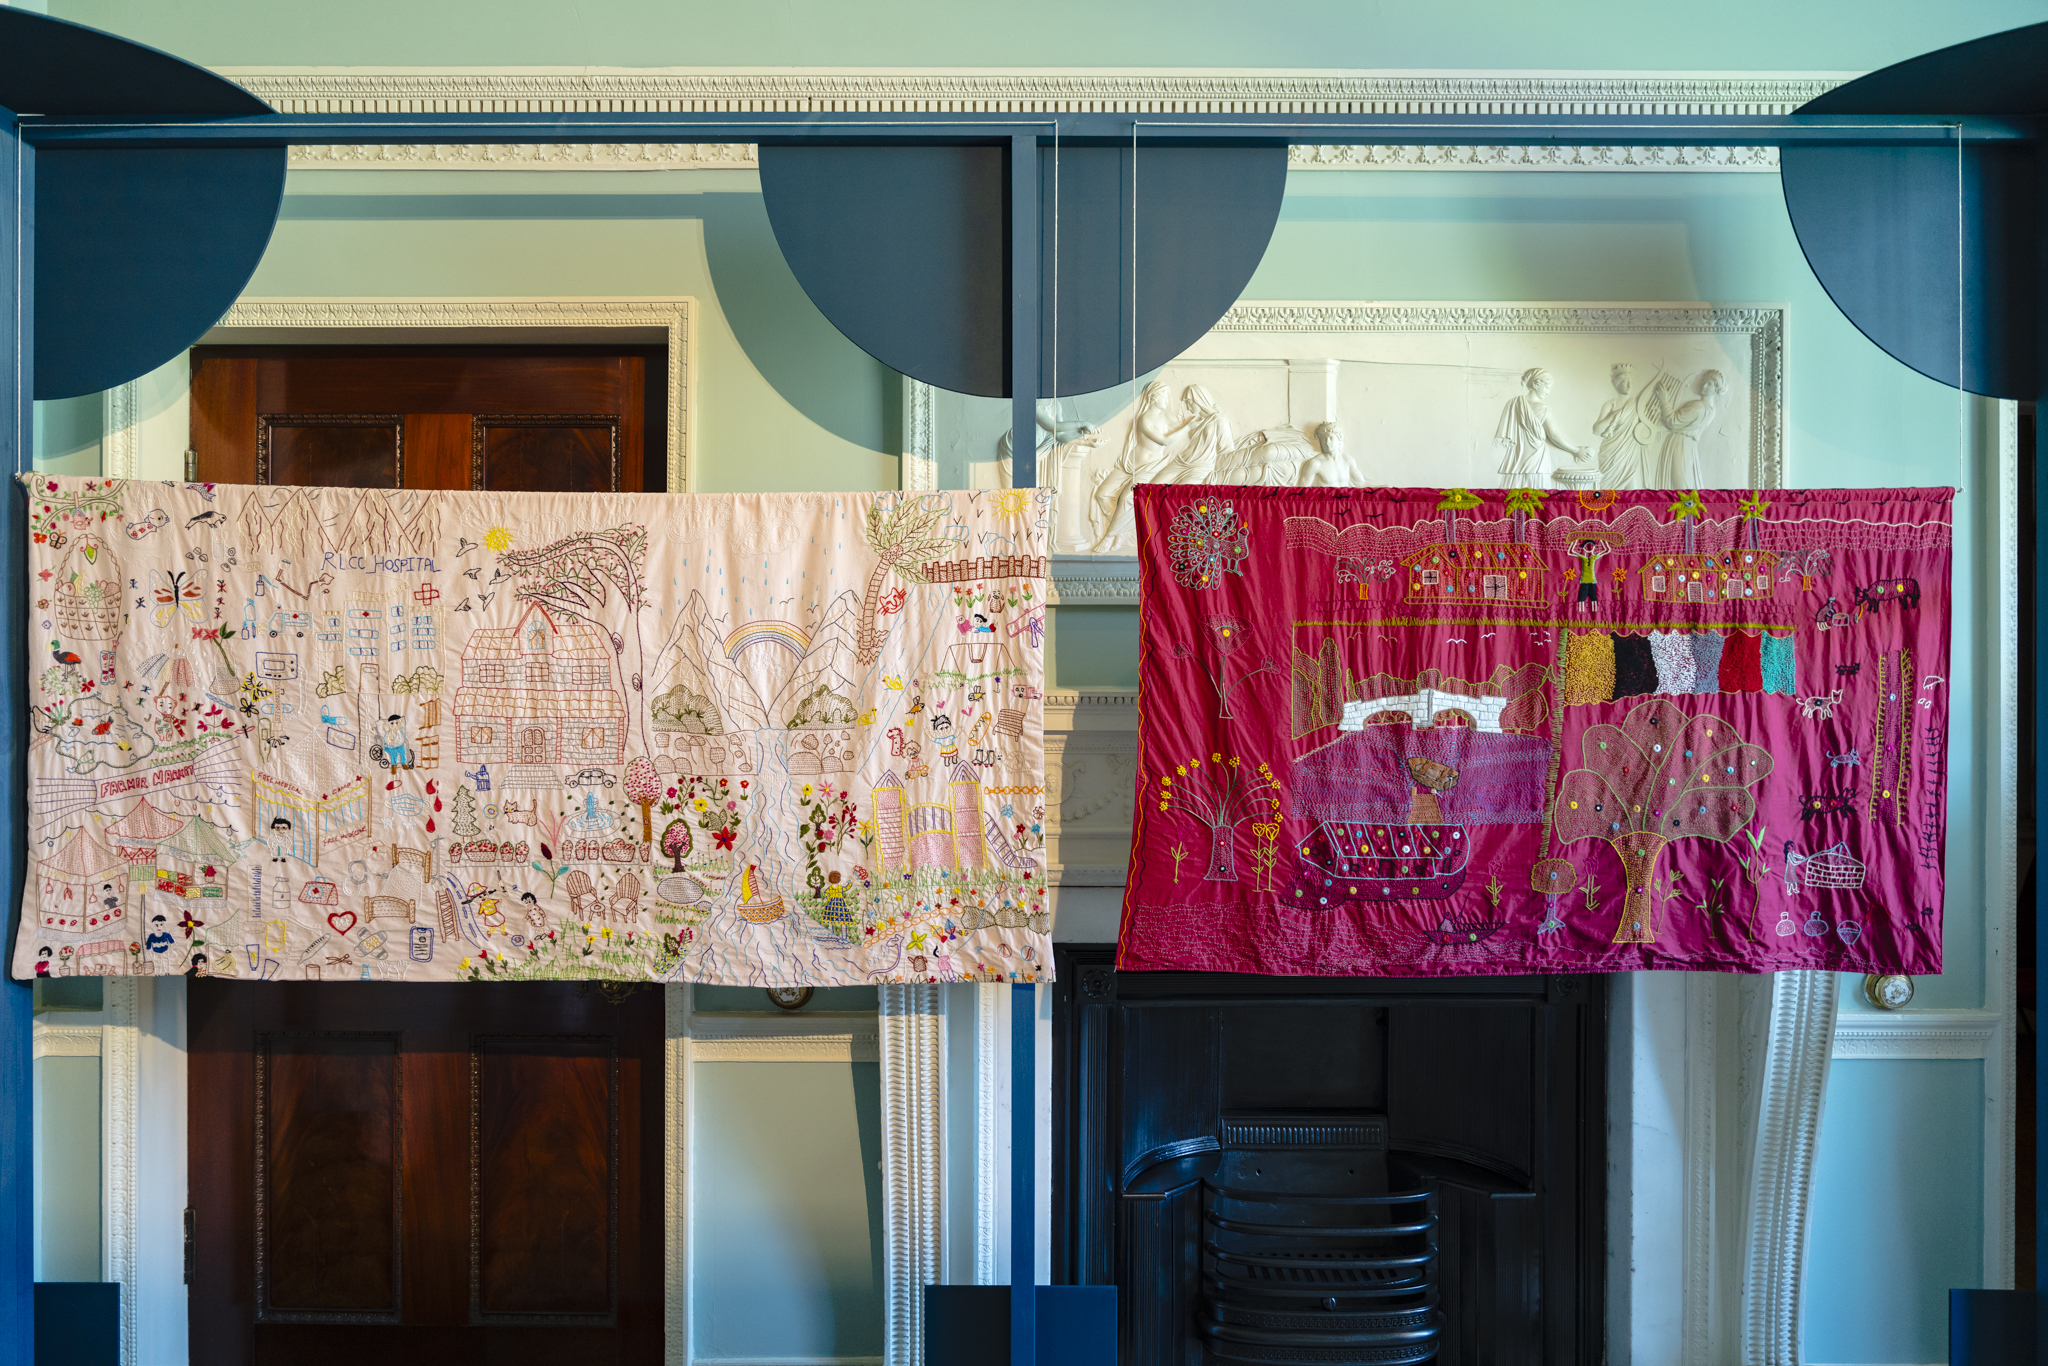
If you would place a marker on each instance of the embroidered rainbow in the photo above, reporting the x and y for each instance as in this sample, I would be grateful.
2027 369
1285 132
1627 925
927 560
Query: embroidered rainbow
766 633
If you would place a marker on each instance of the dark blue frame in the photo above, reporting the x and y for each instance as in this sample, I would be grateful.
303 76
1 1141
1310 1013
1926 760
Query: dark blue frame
1020 136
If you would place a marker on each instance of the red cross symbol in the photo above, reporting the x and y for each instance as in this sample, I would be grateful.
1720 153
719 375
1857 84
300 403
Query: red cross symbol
426 593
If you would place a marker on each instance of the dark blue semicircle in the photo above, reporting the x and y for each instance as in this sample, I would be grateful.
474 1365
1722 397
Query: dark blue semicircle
53 66
139 252
1929 249
903 249
1995 75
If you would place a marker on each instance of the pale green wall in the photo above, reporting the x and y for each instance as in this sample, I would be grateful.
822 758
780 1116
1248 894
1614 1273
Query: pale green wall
1736 35
786 1190
67 1169
796 407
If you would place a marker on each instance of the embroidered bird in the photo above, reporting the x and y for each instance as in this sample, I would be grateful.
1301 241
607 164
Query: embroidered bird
64 656
210 518
463 606
463 545
471 572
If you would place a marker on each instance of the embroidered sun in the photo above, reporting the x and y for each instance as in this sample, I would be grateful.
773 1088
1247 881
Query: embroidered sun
498 539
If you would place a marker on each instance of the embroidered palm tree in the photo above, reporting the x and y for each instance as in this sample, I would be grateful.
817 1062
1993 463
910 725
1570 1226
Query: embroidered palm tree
1455 501
1752 509
576 576
1524 504
903 542
1689 511
1658 776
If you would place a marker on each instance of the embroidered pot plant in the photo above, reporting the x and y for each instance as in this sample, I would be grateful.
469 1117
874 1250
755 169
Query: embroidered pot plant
1659 776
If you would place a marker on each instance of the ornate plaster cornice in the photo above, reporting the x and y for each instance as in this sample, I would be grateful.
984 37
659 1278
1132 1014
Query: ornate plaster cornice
418 90
1916 1033
858 1047
743 156
1305 157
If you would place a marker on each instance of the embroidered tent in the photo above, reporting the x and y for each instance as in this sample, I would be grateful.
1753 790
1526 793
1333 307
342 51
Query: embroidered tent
83 883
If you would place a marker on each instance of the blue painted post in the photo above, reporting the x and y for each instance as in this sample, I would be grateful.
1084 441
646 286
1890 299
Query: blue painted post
1022 197
1023 1167
17 1151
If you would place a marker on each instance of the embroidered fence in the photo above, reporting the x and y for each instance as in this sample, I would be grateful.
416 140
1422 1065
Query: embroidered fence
1424 731
368 734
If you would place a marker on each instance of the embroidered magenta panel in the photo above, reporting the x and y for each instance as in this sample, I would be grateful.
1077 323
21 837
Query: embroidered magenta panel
1424 731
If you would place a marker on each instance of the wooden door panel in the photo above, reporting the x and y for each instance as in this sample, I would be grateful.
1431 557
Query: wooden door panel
331 450
328 1212
437 450
223 418
314 381
568 454
546 1191
572 420
440 1179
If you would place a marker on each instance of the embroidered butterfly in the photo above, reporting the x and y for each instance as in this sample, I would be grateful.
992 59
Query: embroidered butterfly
176 591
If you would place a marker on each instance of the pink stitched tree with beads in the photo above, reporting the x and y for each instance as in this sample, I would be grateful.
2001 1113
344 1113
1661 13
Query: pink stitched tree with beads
1659 776
643 785
676 841
1222 794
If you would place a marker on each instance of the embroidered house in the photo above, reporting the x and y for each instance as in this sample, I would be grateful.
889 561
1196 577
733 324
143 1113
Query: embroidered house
1473 572
539 693
938 837
1707 578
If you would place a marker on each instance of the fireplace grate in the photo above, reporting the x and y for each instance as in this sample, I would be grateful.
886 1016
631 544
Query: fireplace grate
1304 1280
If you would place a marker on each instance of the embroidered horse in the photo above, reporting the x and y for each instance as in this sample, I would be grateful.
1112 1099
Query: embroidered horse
1820 707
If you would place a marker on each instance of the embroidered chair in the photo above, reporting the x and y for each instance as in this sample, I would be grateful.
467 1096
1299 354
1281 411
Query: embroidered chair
584 903
625 902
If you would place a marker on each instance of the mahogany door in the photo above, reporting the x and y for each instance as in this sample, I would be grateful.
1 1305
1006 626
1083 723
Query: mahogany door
460 1173
543 419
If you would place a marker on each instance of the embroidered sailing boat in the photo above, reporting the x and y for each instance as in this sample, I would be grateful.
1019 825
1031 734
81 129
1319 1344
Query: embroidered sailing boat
753 907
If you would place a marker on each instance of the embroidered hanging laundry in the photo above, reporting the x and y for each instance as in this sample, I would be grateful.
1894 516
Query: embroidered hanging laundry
1424 731
347 734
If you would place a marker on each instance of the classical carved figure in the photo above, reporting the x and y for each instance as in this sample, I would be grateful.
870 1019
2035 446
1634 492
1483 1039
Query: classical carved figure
1153 429
1526 435
1059 438
1204 443
1329 467
1677 462
1625 433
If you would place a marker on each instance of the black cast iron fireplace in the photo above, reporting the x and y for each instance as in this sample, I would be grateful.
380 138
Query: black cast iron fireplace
1325 1171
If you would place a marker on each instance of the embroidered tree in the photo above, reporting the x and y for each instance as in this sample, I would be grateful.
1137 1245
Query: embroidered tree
1228 635
1221 795
643 785
1453 502
1659 776
676 841
903 542
462 814
1524 504
1206 541
576 577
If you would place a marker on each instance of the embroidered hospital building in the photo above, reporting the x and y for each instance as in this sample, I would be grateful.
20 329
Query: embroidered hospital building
539 692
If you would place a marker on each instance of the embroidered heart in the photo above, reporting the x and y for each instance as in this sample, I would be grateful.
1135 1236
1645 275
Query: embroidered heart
335 919
1850 932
